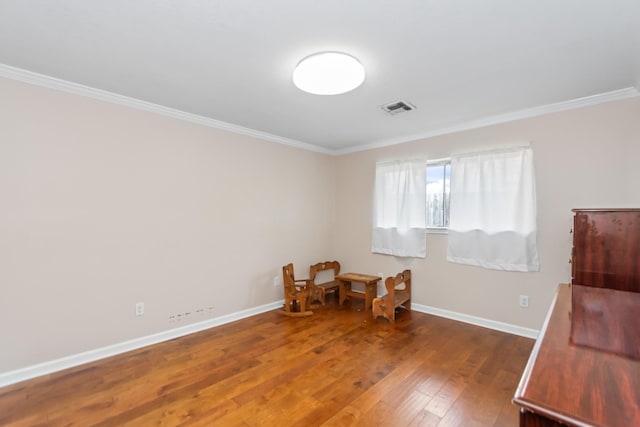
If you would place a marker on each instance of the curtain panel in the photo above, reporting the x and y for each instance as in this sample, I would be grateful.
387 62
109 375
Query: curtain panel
492 220
399 214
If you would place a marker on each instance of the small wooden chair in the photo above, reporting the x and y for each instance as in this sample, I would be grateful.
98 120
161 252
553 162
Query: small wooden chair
296 293
385 306
320 290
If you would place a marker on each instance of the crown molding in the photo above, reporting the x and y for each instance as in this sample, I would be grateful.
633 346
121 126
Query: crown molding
616 95
114 98
102 95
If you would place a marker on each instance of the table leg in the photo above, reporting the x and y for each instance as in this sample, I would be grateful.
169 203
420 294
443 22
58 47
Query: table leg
369 294
344 286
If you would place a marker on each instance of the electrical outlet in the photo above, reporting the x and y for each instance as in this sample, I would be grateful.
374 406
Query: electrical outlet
277 281
139 308
524 301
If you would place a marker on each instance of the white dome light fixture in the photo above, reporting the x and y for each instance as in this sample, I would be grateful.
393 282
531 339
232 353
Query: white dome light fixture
328 73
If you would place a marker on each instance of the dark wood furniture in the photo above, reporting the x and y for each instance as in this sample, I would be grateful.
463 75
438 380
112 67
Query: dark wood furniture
600 319
584 370
320 290
296 294
370 287
398 295
606 248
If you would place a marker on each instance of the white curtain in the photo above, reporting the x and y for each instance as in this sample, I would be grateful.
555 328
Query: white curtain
399 215
492 220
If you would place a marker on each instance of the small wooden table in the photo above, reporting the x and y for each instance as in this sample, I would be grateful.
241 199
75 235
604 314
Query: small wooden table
370 287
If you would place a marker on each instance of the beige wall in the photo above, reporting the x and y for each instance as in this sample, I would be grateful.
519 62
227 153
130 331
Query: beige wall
104 206
583 158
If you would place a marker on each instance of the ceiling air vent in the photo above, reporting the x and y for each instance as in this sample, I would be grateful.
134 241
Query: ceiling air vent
397 107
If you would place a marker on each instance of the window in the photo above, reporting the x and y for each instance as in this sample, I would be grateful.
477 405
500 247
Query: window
438 184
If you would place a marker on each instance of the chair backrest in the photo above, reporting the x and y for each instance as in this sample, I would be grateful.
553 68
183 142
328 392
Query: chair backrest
288 279
401 278
324 266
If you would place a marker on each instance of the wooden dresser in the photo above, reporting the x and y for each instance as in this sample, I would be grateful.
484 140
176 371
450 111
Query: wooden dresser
584 369
606 248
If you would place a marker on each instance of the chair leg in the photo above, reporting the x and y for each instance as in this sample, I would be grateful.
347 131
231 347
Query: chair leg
316 294
303 302
305 299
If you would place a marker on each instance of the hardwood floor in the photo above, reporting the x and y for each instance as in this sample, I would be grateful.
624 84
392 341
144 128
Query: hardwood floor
338 367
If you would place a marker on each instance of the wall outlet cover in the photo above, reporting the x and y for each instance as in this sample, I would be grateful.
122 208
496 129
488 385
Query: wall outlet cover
524 301
139 308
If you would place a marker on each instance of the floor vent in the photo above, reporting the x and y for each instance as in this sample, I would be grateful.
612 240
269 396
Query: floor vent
397 107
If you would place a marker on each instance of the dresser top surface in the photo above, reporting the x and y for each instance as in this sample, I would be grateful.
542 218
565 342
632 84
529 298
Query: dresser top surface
606 210
581 384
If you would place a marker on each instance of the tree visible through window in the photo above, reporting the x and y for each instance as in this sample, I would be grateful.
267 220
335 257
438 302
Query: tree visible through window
438 183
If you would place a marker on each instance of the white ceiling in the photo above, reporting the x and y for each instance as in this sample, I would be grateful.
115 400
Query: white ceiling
459 62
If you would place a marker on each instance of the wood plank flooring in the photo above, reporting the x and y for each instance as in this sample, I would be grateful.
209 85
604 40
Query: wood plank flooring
338 367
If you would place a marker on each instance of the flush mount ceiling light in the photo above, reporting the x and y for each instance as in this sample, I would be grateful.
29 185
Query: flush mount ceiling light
328 73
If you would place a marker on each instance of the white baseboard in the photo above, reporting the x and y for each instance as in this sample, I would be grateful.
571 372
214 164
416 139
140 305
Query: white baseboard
478 321
29 372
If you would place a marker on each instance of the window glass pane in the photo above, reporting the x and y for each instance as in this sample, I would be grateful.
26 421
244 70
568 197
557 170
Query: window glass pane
438 177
